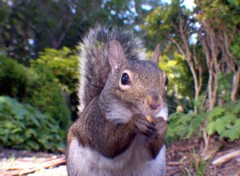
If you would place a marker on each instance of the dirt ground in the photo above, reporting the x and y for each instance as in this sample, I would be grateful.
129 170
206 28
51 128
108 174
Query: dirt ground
187 158
183 158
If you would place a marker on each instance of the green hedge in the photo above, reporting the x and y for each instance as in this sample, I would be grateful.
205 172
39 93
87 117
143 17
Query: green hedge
63 64
13 78
36 86
24 127
44 92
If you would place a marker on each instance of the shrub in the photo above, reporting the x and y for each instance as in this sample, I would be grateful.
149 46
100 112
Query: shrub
63 64
24 127
36 86
44 92
223 120
13 78
182 126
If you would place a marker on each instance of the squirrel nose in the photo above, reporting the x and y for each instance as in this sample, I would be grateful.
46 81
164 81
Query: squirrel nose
154 101
154 106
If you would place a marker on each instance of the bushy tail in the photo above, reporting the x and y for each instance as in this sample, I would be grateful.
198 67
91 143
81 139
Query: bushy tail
94 66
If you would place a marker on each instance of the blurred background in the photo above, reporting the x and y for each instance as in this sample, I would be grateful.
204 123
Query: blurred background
200 52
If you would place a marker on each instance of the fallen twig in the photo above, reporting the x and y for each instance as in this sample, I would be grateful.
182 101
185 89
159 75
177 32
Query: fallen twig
225 158
26 166
207 155
175 163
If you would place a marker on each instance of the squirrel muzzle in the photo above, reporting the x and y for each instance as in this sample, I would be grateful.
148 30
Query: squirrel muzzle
154 101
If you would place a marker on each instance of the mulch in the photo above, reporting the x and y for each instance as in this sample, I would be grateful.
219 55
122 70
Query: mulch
183 158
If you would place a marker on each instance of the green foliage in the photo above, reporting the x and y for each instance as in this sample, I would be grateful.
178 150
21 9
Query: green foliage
225 120
24 127
199 165
27 27
36 86
172 26
180 81
224 85
63 64
220 14
162 23
180 87
235 48
182 126
175 27
13 78
44 92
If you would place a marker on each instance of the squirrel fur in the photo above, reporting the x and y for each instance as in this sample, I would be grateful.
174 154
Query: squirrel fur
118 89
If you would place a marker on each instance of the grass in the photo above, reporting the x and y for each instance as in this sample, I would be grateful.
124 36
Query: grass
197 166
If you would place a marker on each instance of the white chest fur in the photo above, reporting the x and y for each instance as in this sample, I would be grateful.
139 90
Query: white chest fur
119 113
163 113
133 162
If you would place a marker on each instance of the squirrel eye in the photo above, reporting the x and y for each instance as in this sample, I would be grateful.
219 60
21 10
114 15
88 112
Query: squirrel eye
166 81
125 79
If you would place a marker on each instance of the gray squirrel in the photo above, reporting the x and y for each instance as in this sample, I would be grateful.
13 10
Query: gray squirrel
118 90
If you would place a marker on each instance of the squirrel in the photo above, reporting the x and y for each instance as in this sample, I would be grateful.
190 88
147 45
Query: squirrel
118 89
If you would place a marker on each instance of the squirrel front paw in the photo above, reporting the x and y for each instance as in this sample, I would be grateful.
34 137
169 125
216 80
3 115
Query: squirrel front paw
141 125
156 141
160 126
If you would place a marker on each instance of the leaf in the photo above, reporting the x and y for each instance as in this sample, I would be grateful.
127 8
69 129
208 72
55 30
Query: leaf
237 123
195 123
19 111
23 133
234 2
232 134
35 120
181 131
170 133
9 125
33 145
16 130
30 133
236 108
229 117
210 128
215 113
185 119
220 126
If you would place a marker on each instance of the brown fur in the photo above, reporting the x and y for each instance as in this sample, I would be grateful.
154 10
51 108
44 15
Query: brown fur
110 122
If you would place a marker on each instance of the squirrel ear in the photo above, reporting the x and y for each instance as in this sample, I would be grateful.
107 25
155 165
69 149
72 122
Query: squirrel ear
115 55
156 55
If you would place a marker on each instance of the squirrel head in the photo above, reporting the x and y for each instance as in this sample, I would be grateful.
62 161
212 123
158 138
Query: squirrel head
138 84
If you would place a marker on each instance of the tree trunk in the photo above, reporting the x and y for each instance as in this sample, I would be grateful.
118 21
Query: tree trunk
235 85
191 61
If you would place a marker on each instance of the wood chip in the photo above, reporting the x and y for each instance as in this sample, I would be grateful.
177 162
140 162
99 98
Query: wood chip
23 166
